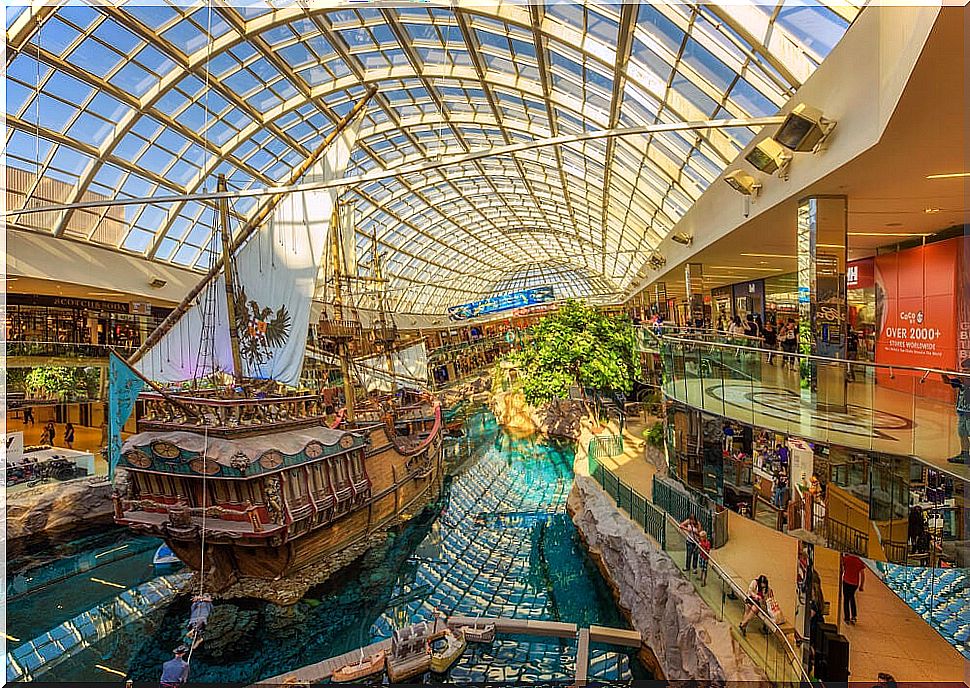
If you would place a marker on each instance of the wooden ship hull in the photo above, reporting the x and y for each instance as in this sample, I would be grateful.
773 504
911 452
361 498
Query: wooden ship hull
273 503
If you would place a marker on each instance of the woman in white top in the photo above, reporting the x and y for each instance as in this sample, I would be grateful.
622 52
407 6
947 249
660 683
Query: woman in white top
759 598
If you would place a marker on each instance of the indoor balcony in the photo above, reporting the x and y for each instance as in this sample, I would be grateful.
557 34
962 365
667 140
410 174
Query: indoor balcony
889 409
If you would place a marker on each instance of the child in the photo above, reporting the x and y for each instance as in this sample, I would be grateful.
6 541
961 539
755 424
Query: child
705 554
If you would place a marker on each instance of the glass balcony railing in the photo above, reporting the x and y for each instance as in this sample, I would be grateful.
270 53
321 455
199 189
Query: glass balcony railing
887 409
64 350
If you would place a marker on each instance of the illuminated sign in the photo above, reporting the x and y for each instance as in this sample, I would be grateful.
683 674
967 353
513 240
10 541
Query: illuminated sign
501 303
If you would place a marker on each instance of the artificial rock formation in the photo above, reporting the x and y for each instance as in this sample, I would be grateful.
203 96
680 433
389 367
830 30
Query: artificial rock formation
687 639
556 419
55 508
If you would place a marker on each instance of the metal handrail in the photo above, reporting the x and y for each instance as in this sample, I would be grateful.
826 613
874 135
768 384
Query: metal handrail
815 357
742 593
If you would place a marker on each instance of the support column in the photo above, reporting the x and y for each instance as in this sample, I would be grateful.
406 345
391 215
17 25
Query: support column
821 237
694 281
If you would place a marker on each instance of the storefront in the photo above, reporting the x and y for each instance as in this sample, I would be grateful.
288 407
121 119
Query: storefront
68 320
886 507
781 298
861 299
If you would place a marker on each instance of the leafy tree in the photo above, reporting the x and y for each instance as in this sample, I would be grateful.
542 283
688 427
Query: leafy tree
577 346
61 382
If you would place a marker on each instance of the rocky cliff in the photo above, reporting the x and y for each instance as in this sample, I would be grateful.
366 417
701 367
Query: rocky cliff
688 641
556 419
60 507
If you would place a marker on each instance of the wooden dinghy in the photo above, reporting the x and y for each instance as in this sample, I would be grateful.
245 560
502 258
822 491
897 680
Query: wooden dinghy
443 659
478 632
372 665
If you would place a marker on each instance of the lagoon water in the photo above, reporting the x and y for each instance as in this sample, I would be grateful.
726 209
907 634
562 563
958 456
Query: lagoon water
502 545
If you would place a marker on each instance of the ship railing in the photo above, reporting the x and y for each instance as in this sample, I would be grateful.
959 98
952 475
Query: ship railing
332 328
247 511
216 413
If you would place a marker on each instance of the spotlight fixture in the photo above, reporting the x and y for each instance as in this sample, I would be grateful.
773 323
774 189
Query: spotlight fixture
769 156
804 129
683 238
743 183
657 261
157 283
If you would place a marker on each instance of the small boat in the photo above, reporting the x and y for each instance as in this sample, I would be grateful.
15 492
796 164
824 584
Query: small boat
410 654
402 670
478 633
371 665
165 559
443 659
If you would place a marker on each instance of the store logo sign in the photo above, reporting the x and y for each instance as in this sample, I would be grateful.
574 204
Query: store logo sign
852 275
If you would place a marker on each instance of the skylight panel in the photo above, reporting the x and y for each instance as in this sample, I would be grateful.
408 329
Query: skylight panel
816 27
95 58
133 79
55 36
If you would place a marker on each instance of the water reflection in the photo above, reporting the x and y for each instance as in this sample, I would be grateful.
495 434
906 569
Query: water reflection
501 546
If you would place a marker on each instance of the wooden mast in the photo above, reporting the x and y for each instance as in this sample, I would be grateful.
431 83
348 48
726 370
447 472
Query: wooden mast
249 227
343 345
230 280
382 296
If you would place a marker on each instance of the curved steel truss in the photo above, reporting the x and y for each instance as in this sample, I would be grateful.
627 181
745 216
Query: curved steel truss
139 100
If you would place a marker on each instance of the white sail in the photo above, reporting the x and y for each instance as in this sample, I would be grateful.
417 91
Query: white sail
410 369
277 274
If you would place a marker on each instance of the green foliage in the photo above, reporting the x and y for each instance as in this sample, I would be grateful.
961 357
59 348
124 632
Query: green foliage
63 383
579 346
655 435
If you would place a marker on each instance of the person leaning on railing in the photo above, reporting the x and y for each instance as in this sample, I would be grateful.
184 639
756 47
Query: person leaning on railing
961 383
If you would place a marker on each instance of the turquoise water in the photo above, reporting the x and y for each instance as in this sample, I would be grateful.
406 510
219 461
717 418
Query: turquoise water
502 545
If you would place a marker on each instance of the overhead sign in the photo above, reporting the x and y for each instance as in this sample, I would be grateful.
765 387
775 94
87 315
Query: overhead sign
501 303
860 274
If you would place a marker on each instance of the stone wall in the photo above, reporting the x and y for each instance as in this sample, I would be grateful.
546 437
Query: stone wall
688 641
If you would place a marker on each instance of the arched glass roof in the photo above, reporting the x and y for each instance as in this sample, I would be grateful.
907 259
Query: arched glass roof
140 100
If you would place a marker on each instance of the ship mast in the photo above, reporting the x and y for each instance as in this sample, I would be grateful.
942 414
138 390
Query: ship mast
343 344
230 269
386 336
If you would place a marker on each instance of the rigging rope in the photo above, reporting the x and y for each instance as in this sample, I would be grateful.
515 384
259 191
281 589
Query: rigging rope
205 446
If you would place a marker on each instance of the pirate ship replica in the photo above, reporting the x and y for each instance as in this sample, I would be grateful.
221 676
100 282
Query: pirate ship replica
244 474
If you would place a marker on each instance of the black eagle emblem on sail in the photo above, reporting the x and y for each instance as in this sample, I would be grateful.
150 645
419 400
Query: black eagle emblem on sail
260 329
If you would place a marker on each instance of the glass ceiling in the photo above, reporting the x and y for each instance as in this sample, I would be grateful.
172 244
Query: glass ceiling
141 100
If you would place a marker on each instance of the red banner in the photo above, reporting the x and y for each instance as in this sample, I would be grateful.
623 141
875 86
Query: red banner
916 313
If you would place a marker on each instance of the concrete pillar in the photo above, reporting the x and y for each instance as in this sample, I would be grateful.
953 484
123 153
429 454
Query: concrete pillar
694 282
821 239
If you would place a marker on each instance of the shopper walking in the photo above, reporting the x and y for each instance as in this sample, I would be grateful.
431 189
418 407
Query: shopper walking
961 383
736 327
916 529
704 546
692 529
771 341
69 435
789 343
49 433
853 580
28 416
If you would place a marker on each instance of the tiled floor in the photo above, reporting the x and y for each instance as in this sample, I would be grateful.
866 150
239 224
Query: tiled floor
85 438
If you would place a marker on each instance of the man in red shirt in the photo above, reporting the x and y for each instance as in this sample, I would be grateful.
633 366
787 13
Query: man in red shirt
853 579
